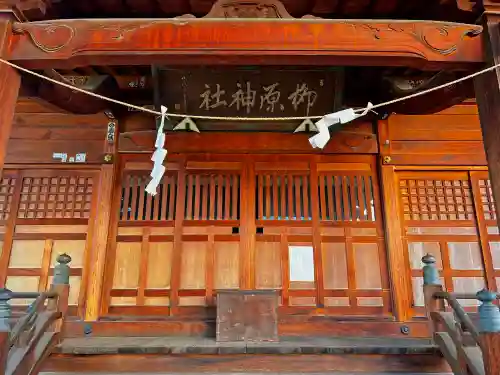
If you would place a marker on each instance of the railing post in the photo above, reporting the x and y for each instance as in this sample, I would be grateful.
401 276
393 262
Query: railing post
5 316
489 331
60 285
431 286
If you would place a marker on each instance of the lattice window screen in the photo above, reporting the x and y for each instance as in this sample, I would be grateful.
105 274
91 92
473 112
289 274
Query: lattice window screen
6 194
283 196
487 200
137 205
425 199
212 196
55 197
346 198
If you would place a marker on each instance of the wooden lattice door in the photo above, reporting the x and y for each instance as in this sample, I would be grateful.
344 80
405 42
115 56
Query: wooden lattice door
44 213
450 215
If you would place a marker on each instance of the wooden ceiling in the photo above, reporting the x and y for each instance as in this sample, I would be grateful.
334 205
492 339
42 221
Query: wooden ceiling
445 10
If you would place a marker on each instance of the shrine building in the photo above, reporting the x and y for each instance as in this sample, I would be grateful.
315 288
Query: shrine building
251 226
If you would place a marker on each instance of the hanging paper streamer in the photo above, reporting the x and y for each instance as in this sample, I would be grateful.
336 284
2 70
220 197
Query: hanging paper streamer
158 157
340 117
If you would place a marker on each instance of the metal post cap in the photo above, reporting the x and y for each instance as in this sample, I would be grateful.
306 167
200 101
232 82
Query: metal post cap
5 294
63 258
428 259
486 295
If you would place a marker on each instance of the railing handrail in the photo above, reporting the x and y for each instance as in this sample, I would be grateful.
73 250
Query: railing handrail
452 299
468 350
24 347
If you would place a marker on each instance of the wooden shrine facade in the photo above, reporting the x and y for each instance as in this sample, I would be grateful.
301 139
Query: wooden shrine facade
235 208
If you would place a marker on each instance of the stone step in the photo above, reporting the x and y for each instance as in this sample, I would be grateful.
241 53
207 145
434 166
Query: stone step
286 345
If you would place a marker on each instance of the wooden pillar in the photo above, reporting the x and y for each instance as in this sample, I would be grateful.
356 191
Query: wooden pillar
487 87
9 88
101 215
398 272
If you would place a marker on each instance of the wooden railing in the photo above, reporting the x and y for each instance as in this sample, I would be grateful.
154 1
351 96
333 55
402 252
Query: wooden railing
470 342
27 341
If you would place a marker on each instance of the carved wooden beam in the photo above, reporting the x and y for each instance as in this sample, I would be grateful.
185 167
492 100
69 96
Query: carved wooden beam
420 44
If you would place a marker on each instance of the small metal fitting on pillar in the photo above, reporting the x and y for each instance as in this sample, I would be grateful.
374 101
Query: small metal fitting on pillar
489 314
431 274
5 309
61 270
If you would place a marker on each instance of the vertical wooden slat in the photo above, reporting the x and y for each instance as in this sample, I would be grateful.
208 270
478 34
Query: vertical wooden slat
140 193
82 208
220 183
285 269
211 201
268 197
143 268
44 275
305 196
338 198
290 183
189 197
317 250
156 203
234 201
261 196
283 197
297 183
322 197
361 198
204 208
175 277
482 230
353 193
173 189
149 206
275 196
345 197
197 197
127 184
134 183
227 196
399 272
210 270
368 194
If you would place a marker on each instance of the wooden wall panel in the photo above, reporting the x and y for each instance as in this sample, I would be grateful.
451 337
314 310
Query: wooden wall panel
451 137
37 136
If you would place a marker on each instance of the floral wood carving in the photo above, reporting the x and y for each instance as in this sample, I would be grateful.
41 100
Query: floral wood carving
248 9
49 37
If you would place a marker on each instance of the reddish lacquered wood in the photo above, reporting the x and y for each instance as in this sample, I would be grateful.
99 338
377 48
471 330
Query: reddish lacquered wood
72 43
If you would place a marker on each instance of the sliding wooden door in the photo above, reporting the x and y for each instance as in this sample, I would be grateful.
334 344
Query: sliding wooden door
307 226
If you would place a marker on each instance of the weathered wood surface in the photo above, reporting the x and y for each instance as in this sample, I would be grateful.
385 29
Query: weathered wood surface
248 363
57 44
